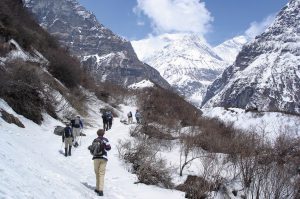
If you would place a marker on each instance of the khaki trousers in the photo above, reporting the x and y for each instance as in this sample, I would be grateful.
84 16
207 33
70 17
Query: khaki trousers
68 142
76 133
99 166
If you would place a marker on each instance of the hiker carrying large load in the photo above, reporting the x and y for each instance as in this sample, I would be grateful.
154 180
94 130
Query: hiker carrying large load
77 127
99 149
68 138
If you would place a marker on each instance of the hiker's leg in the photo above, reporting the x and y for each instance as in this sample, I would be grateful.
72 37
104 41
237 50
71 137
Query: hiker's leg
76 132
102 167
70 148
96 169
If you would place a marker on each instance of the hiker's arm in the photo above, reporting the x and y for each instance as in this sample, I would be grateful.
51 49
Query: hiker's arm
107 146
81 124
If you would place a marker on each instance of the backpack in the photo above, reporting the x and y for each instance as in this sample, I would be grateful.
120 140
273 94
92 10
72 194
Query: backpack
68 132
59 130
109 115
97 148
76 123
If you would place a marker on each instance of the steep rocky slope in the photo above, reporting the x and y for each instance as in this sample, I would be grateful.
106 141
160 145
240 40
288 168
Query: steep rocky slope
105 55
265 75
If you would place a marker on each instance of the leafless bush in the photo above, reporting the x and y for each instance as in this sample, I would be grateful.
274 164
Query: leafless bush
195 187
149 168
22 89
267 170
165 107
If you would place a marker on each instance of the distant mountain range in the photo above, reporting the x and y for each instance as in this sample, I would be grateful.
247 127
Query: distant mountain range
187 61
105 55
266 74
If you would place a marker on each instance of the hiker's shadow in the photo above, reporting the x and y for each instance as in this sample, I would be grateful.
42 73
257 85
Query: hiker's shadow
61 152
88 186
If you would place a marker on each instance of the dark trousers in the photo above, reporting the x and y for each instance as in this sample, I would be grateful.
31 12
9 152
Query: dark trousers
109 123
105 125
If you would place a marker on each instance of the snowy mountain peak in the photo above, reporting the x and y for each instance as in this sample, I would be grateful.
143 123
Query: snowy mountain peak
229 49
185 60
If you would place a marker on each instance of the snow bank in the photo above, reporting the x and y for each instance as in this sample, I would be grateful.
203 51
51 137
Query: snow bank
271 123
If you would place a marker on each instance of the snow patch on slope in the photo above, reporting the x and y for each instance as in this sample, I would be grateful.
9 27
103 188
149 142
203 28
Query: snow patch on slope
141 84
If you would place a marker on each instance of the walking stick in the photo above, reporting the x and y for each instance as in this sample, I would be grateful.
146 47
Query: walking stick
80 137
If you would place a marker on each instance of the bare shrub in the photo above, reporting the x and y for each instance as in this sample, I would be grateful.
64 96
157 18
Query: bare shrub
165 107
267 171
22 91
195 187
64 67
149 168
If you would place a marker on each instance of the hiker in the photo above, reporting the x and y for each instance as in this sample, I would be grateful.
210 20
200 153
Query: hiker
110 119
129 115
77 127
67 138
138 116
99 149
105 121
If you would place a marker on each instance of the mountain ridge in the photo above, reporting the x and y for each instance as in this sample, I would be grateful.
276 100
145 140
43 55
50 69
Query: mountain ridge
105 55
185 60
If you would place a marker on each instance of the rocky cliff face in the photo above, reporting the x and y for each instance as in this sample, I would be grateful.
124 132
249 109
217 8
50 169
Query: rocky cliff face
266 73
105 55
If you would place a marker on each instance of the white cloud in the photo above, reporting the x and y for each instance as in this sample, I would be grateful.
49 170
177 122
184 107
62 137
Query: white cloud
257 28
140 23
176 15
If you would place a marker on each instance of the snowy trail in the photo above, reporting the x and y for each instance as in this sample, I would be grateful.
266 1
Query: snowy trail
32 165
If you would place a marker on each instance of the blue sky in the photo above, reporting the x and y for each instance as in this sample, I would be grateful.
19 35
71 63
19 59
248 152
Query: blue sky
216 20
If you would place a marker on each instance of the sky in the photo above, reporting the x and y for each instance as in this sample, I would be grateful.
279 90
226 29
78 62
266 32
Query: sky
215 20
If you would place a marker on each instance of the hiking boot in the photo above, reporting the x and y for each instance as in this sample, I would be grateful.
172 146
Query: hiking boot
96 191
66 152
76 144
100 193
70 150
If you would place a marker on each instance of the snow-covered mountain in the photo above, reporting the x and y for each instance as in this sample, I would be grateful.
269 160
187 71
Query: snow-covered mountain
265 75
186 61
229 49
106 55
